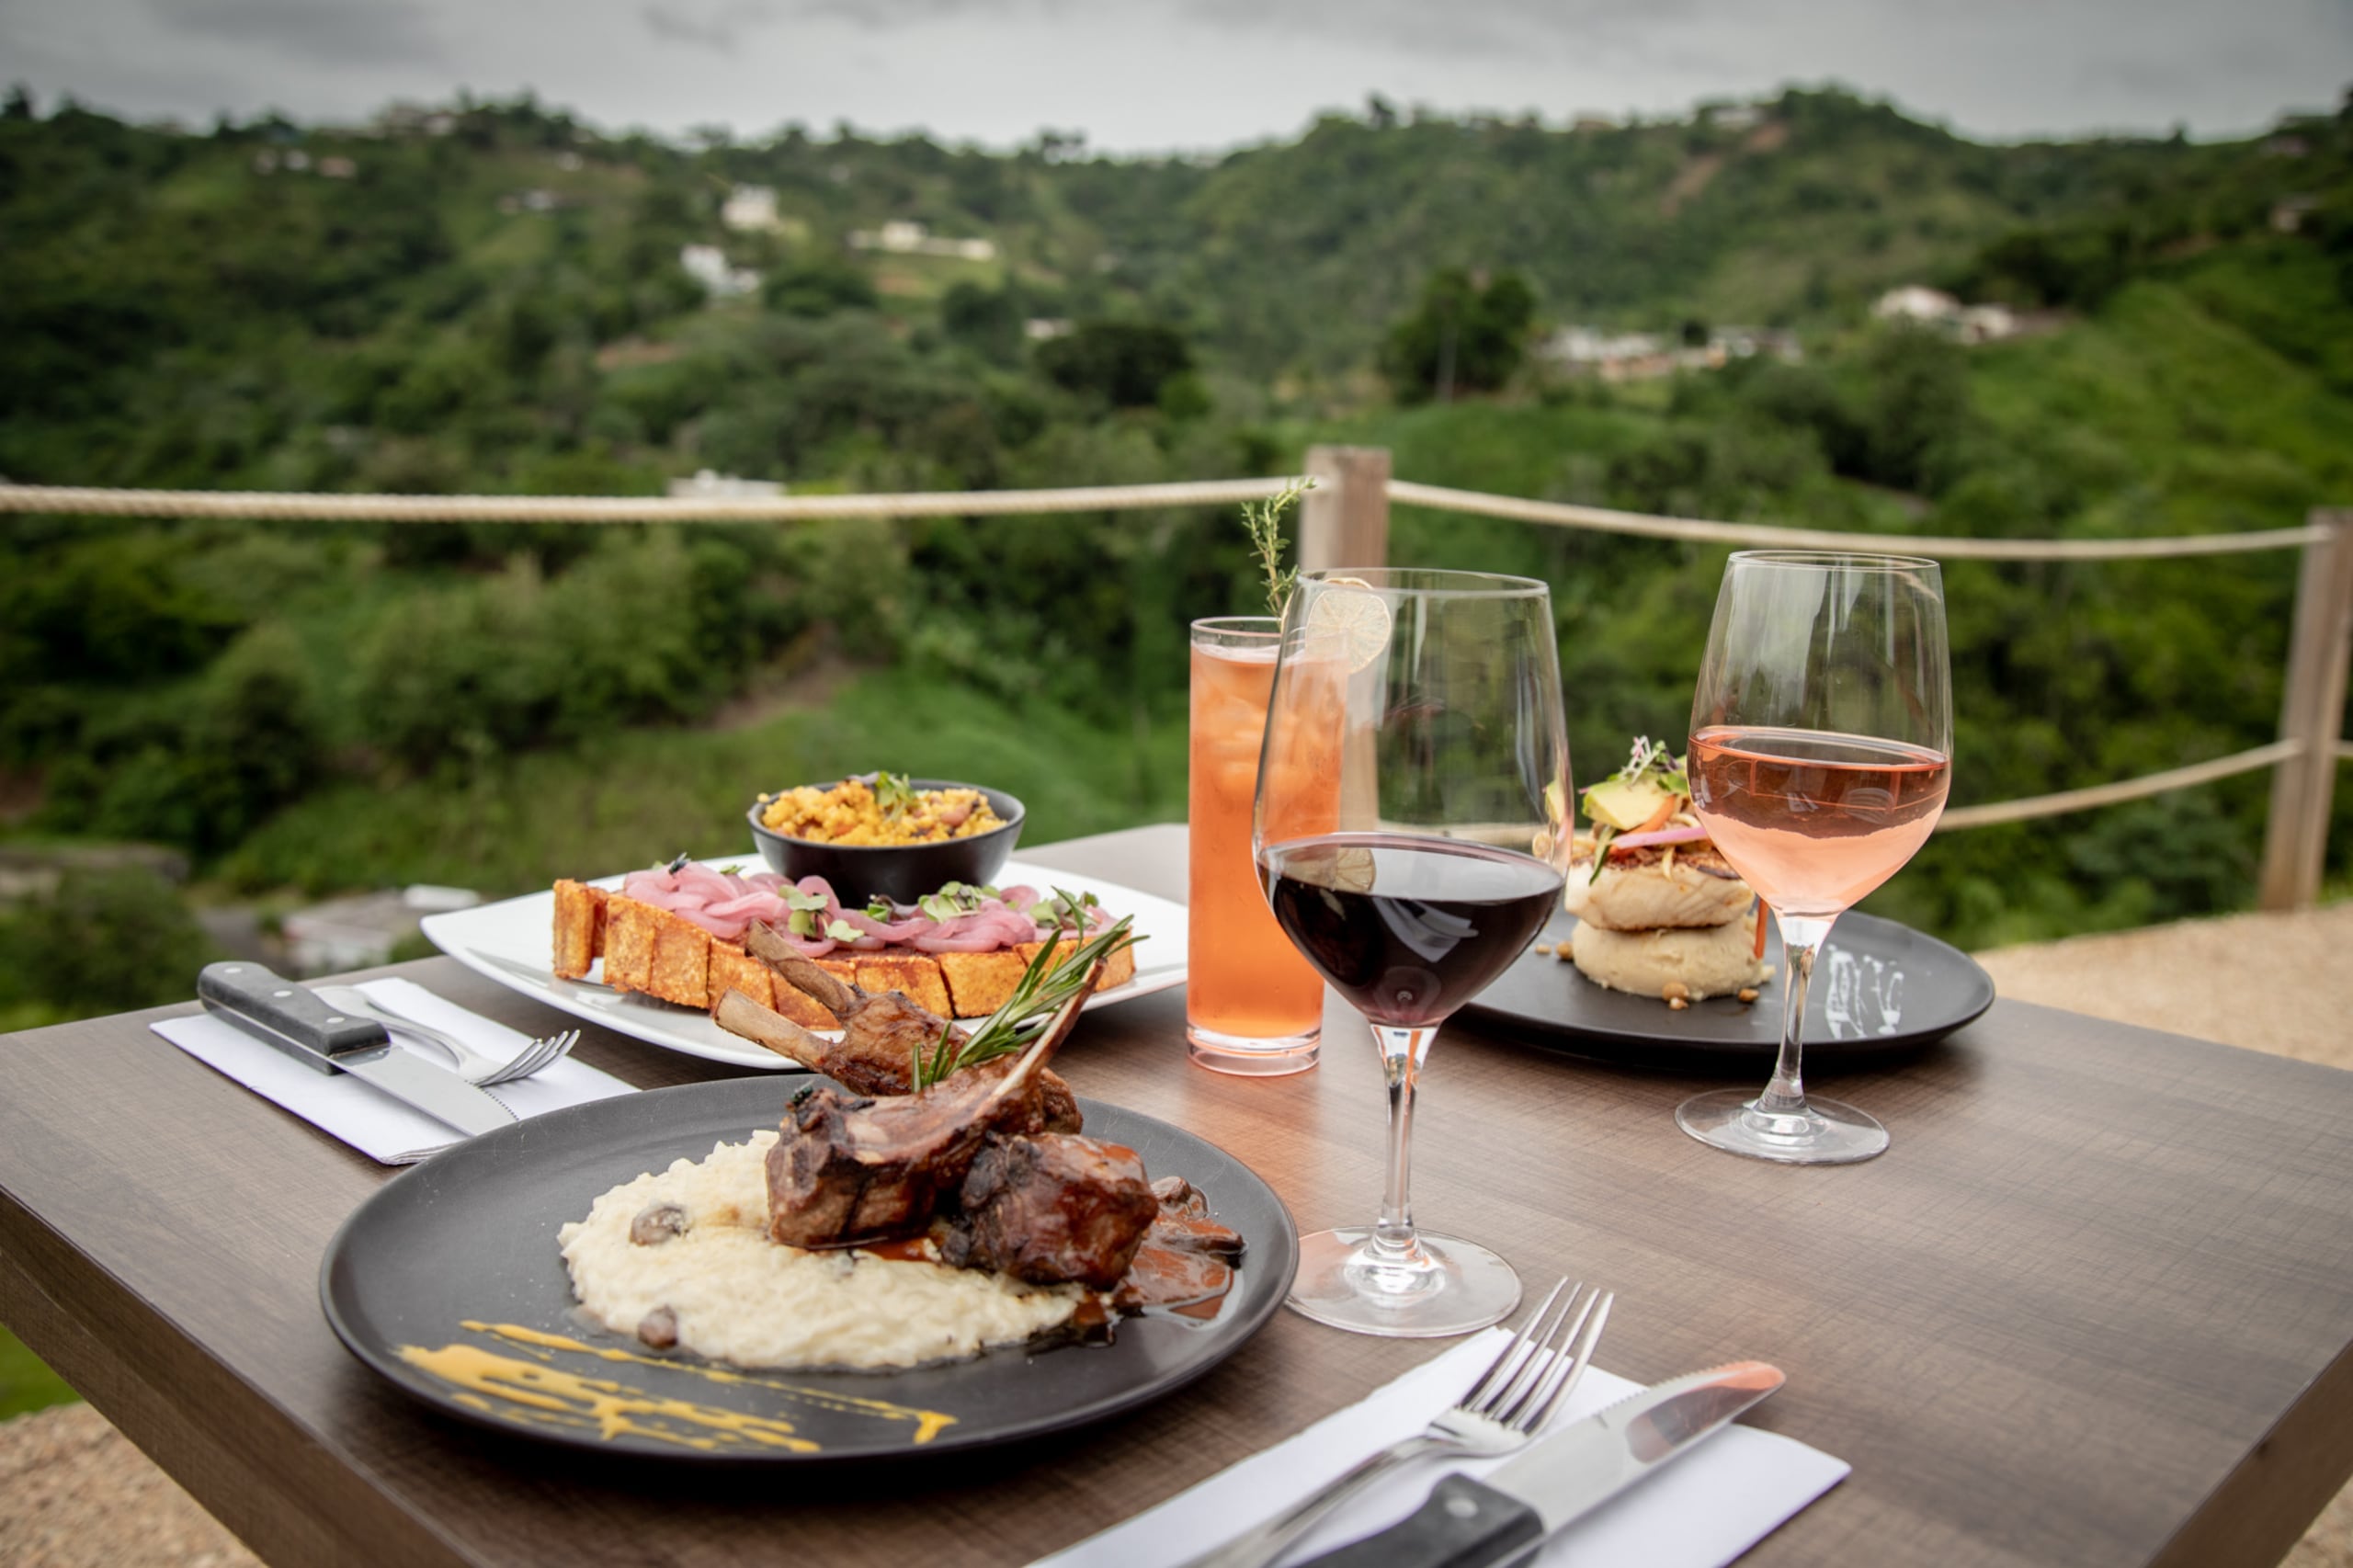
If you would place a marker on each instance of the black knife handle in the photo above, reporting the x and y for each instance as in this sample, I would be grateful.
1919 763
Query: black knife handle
251 994
1465 1524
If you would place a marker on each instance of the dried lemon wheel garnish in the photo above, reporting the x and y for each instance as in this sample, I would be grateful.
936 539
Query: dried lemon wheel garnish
1349 621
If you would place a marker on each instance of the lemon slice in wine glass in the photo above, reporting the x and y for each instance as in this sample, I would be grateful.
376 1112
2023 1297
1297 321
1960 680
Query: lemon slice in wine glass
1349 621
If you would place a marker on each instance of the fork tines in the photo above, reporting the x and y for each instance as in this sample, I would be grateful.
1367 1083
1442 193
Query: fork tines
1534 1374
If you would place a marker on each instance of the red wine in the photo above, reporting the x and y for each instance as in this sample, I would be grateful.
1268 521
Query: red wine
1813 820
1407 928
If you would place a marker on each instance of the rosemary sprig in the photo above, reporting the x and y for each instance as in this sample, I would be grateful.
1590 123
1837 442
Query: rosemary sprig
1045 987
1264 521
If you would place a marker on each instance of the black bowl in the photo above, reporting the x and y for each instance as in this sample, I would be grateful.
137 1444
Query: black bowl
900 872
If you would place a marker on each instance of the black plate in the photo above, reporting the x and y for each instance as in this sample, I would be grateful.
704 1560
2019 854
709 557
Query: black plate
1879 989
468 1240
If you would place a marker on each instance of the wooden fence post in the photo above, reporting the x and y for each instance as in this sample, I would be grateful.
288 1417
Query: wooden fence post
2311 712
1343 521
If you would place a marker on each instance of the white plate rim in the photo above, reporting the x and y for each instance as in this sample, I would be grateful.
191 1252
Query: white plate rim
489 937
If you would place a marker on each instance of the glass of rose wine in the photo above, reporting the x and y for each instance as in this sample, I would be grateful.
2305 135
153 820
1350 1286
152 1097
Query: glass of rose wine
1411 836
1821 754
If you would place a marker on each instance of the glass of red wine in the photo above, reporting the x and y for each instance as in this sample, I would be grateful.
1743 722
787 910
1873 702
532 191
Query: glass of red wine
1821 754
1411 834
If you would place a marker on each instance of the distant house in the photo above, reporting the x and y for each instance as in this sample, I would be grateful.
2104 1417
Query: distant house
1643 356
2288 213
1732 117
337 168
707 265
536 199
1934 307
751 209
1037 329
1913 302
707 485
1985 323
2287 147
902 237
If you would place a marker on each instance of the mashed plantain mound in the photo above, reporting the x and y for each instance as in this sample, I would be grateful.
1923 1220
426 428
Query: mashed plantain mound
1710 960
682 1257
877 810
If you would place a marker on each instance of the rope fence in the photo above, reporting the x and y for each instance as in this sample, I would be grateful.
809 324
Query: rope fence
1600 520
1347 522
276 507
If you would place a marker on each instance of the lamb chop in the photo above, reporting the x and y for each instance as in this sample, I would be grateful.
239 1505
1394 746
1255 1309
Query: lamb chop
880 1034
851 1168
1052 1209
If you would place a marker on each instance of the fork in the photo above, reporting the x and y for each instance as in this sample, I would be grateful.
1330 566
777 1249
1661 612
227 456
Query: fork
1509 1406
474 1066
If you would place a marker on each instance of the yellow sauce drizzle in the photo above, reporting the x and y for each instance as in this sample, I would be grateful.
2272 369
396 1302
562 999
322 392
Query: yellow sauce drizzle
535 1393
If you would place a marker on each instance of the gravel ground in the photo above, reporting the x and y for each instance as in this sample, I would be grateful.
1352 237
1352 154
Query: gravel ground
74 1493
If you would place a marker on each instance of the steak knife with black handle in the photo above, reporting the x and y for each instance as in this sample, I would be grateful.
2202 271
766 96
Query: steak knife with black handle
305 1028
1505 1518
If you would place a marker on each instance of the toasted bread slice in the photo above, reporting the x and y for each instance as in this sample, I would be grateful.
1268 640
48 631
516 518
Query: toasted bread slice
579 927
630 930
917 974
649 949
733 969
980 982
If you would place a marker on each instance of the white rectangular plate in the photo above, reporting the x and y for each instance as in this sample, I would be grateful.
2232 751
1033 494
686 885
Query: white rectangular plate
512 942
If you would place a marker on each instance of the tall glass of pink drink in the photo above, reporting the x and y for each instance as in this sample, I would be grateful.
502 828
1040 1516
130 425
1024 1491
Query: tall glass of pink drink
1252 1005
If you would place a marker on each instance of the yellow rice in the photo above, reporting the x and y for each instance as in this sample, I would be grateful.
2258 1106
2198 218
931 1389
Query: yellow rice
848 813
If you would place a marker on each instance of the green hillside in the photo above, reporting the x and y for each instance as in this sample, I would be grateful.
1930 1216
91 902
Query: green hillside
494 301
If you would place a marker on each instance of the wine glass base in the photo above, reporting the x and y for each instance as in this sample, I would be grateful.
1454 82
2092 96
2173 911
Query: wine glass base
1828 1133
1457 1287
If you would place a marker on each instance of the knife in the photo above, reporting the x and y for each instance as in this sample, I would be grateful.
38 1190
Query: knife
299 1023
1504 1520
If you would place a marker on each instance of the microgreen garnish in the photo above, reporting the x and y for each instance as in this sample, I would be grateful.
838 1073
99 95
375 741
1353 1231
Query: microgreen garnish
795 899
894 792
843 931
802 923
1044 988
953 900
879 909
1652 756
1264 521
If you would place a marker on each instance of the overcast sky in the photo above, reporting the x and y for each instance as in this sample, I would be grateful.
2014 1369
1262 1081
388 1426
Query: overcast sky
1138 75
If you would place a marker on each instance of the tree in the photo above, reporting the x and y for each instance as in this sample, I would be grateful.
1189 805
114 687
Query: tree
1465 335
819 288
1125 363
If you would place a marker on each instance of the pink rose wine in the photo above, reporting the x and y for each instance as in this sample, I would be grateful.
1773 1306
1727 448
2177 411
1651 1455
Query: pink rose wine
1814 820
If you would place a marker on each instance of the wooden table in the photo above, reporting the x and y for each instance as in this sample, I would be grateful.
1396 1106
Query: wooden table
2092 1308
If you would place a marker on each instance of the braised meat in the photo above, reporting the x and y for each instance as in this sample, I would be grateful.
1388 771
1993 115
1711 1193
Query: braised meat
849 1169
1163 1276
1052 1209
881 1033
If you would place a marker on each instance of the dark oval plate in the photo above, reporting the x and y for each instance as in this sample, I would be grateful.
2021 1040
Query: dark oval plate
1879 989
447 1282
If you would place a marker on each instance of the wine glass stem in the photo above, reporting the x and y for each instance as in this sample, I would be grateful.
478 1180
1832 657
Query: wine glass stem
1402 1051
1801 939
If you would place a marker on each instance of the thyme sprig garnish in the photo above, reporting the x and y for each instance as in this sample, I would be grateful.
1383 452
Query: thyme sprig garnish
1264 521
1045 987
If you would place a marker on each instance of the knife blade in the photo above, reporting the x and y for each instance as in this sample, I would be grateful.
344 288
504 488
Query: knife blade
299 1023
1505 1518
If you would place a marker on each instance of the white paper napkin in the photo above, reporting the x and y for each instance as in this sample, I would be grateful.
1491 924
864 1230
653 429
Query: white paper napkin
1701 1511
384 1129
